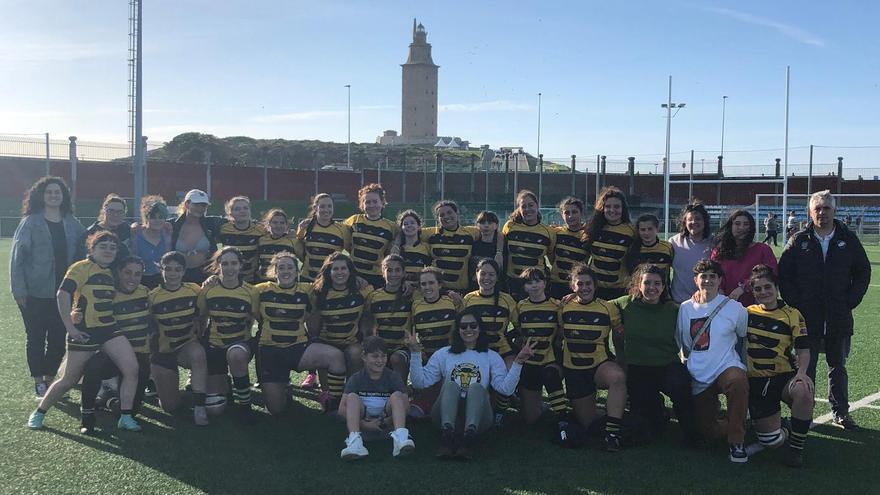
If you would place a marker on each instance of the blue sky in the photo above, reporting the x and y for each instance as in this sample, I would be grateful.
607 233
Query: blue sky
278 69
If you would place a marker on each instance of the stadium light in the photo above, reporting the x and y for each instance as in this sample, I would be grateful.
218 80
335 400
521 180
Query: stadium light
669 105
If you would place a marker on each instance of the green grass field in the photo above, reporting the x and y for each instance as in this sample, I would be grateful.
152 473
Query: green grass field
299 452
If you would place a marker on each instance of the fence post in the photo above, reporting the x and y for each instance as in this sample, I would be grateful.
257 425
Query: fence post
631 170
506 174
48 157
839 173
403 179
602 165
473 186
720 175
438 164
691 179
778 166
810 174
265 176
598 168
540 179
573 175
73 163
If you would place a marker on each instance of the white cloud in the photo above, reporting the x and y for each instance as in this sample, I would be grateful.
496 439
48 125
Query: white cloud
484 106
793 32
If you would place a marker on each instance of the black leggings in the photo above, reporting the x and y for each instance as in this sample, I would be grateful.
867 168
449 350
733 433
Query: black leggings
100 367
45 336
645 383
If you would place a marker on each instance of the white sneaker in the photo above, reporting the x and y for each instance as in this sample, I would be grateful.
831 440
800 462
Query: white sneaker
403 444
354 449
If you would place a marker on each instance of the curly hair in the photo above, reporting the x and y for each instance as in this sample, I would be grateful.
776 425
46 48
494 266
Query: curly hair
697 208
648 269
371 188
598 221
271 272
34 197
323 283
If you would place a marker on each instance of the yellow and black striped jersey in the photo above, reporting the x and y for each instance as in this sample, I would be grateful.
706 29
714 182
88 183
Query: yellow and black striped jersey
283 313
527 246
175 313
133 318
607 253
270 246
247 241
771 337
319 242
370 242
433 322
92 291
414 259
230 313
659 254
496 317
569 250
539 321
393 315
341 315
585 329
451 253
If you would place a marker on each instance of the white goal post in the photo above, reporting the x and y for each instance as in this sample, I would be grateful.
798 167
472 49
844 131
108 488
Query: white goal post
864 212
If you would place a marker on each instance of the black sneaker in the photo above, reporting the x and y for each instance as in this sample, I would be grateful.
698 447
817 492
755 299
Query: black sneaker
846 422
738 453
611 443
87 424
465 443
246 414
794 458
447 442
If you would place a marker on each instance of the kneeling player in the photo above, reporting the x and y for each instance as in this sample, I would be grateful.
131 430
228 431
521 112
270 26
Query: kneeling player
388 310
285 307
585 323
374 395
774 329
538 319
173 305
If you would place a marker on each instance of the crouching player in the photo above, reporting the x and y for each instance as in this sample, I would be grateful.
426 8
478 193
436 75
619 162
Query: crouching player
174 308
774 329
372 396
285 308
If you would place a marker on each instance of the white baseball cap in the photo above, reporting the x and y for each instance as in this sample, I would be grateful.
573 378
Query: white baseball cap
197 196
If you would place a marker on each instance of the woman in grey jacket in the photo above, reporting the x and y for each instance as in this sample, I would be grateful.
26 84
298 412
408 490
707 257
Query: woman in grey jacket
48 240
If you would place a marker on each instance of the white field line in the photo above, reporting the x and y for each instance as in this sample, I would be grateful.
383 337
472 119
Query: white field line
864 402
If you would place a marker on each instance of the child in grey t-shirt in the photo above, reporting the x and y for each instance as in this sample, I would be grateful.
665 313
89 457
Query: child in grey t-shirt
372 396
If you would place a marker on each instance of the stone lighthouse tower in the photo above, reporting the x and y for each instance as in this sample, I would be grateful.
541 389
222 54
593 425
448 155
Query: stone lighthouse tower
419 106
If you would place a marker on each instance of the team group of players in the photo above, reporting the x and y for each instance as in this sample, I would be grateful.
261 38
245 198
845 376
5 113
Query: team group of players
316 290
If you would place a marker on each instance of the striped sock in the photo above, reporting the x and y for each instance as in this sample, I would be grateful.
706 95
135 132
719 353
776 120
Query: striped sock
241 390
799 430
555 393
335 385
612 425
771 438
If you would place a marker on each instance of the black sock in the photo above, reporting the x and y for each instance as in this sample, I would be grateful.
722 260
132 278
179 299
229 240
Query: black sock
41 411
123 412
241 390
199 399
612 425
799 430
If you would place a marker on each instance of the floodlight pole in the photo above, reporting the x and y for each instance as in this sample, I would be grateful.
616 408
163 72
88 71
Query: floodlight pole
785 155
348 161
666 168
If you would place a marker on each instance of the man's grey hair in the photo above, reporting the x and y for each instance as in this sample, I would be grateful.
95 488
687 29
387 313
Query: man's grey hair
823 196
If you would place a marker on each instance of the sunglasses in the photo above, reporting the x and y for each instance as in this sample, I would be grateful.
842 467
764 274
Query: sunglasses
468 326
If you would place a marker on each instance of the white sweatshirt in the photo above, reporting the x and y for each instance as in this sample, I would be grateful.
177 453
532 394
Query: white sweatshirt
468 368
715 351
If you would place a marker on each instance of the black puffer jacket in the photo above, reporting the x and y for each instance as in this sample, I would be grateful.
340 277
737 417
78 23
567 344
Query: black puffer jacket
825 290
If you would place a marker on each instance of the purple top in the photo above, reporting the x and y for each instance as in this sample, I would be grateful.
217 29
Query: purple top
737 271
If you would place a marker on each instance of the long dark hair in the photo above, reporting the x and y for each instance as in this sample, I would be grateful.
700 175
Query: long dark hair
33 198
401 217
496 291
313 211
648 269
516 214
632 257
323 282
726 244
458 346
694 207
213 266
597 221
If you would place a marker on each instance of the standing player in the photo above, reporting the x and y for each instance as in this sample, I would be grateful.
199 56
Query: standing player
276 240
416 254
648 248
528 242
450 245
320 236
609 236
569 246
489 245
244 234
371 235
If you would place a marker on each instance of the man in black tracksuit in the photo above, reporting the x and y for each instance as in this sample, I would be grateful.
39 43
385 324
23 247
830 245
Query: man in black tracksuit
824 273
